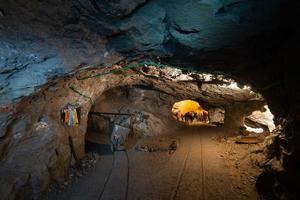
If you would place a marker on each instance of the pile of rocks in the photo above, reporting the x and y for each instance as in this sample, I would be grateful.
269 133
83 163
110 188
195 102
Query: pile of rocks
75 172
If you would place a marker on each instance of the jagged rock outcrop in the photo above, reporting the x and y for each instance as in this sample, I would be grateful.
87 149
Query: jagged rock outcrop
217 116
261 119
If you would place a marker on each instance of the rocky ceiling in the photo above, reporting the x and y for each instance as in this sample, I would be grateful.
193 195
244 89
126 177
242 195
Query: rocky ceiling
42 39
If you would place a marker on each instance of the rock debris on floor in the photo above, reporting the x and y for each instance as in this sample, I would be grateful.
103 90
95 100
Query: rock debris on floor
202 167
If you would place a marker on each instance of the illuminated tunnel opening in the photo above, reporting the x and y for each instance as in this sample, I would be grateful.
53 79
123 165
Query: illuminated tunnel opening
149 122
154 108
190 112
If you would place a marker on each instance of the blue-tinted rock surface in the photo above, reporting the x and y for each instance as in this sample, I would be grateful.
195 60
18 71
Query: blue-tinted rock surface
42 39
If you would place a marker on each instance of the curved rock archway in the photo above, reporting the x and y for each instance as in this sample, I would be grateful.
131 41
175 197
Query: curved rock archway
37 146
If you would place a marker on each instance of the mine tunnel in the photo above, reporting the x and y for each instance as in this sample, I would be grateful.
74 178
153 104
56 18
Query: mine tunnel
149 99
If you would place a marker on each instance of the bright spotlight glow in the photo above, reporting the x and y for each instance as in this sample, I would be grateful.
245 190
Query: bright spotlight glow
270 116
190 112
233 85
206 77
266 118
246 87
255 130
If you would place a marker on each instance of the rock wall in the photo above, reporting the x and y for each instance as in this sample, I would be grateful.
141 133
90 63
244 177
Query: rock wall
278 82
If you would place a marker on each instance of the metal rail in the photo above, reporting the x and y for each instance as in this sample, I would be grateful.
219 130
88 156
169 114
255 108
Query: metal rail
109 113
202 171
107 179
127 178
180 174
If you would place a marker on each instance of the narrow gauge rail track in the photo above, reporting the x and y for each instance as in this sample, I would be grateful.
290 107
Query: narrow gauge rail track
108 177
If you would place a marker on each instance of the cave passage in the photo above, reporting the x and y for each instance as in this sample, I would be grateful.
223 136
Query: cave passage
190 112
152 132
142 148
149 99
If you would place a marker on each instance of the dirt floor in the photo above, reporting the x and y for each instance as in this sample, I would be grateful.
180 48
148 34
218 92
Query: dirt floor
205 165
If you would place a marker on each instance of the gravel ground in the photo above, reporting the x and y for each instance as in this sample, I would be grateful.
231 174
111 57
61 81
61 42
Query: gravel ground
202 167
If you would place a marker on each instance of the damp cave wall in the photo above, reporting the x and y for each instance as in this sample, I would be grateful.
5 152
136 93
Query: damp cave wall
254 41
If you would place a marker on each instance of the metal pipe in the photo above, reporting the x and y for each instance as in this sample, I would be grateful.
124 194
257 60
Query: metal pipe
109 113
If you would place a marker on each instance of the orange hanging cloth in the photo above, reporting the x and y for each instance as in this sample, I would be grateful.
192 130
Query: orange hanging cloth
67 115
71 115
75 121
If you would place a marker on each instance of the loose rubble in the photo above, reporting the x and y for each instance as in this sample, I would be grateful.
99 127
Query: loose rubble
75 172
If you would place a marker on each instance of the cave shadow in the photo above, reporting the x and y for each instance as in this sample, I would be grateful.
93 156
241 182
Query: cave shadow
101 149
97 136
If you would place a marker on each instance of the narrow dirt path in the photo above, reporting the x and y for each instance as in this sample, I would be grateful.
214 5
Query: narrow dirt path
194 171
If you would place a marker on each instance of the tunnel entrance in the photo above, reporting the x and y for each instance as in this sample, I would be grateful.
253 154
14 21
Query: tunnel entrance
97 136
129 113
156 140
190 112
104 135
154 106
